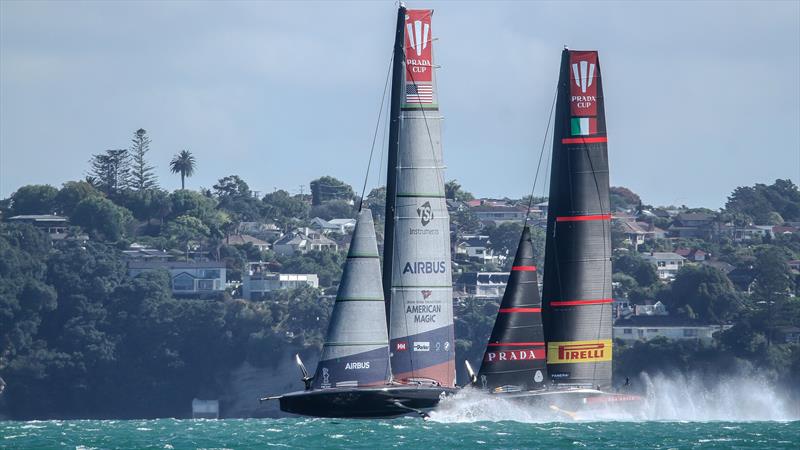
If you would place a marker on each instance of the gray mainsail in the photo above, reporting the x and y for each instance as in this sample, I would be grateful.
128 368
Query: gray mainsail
421 298
356 350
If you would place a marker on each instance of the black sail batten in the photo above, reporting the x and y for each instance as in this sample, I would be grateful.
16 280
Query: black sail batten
577 278
515 355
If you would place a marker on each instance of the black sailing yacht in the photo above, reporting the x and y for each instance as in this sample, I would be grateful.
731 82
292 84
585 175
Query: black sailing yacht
389 349
567 336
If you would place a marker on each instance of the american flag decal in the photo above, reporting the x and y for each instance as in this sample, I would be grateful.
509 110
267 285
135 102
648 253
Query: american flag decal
419 93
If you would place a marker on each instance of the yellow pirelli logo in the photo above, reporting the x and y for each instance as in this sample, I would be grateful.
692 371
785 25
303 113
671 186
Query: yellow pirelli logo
578 351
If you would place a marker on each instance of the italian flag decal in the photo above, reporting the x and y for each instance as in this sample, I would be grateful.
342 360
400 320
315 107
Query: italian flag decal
583 126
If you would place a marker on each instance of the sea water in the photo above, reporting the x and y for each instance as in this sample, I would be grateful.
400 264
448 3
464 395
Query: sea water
676 413
399 433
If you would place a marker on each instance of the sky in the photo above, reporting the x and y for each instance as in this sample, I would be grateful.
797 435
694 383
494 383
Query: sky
701 97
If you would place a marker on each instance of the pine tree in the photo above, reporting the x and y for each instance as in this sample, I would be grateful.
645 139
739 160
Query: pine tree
142 176
110 171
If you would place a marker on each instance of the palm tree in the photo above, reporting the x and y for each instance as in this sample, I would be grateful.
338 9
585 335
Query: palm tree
184 164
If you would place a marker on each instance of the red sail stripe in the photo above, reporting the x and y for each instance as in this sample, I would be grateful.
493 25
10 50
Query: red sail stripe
520 310
582 302
584 140
583 218
524 268
516 344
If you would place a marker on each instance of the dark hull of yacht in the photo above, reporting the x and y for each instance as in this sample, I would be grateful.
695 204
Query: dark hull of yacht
365 402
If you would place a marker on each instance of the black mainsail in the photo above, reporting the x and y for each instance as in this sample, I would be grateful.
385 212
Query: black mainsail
515 355
577 273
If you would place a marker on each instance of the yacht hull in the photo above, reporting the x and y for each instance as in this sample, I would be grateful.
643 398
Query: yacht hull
365 402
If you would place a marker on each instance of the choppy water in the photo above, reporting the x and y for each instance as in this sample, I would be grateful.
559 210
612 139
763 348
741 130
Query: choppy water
680 413
399 433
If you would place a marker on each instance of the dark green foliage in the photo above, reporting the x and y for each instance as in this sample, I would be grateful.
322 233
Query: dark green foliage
453 191
623 199
761 202
636 267
504 238
101 218
706 291
328 265
72 193
142 176
325 189
184 164
335 209
283 208
34 199
110 171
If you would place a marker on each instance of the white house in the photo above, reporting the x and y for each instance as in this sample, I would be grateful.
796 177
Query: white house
646 327
257 281
667 263
189 278
302 241
476 248
482 284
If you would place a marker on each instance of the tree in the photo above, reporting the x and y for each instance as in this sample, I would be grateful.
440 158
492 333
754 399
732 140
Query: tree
72 193
142 176
453 191
282 207
707 291
185 231
110 171
335 209
623 199
231 186
33 199
101 218
184 164
504 238
325 189
632 265
774 283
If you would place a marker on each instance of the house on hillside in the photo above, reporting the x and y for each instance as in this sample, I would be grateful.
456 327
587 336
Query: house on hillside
188 278
266 231
139 252
257 280
693 225
481 285
667 263
55 226
476 248
646 327
303 240
242 239
692 254
499 214
341 226
751 232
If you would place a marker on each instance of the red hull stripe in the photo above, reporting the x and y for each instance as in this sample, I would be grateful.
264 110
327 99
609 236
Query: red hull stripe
520 310
516 344
524 268
584 140
583 218
582 302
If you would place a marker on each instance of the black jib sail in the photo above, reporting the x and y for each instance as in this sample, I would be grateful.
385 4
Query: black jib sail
577 273
515 355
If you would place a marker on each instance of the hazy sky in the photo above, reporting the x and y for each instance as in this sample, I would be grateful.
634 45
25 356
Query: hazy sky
700 96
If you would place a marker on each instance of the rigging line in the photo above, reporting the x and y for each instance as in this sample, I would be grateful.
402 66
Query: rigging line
375 134
541 153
